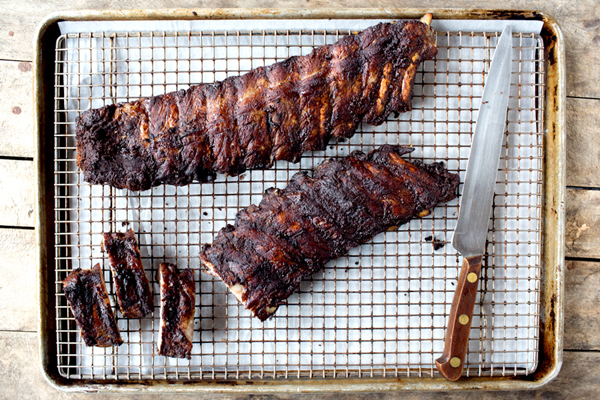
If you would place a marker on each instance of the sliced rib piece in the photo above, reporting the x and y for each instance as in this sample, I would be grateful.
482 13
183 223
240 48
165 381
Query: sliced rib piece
177 307
131 284
295 231
87 296
271 113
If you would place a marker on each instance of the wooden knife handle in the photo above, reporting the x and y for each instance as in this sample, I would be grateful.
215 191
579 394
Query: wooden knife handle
450 364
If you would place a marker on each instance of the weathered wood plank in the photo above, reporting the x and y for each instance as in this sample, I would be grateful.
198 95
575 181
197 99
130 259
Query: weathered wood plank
21 378
578 379
582 232
583 146
20 374
580 24
16 118
18 272
16 188
582 305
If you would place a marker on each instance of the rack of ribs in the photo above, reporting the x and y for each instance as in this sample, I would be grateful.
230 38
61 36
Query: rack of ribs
271 113
293 232
131 284
87 296
177 307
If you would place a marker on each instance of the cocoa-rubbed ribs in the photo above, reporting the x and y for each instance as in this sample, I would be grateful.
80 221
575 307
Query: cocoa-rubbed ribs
293 232
131 284
177 307
271 113
86 294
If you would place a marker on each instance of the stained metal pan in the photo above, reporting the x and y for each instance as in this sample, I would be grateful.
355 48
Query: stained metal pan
65 208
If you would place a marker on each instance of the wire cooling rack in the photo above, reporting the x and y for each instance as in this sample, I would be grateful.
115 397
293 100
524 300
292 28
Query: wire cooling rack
379 312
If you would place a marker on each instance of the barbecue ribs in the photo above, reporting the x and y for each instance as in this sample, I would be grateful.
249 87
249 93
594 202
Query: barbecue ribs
131 284
295 231
86 294
271 113
177 307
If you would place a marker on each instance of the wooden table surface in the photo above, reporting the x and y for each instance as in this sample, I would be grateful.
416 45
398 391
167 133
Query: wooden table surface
20 373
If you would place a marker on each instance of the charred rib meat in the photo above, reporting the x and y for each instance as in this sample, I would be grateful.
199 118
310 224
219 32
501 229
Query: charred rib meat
295 231
177 306
131 284
245 122
86 294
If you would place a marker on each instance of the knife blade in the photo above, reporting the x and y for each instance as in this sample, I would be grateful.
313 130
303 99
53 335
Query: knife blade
476 205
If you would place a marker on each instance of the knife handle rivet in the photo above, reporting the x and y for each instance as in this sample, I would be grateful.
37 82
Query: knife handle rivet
455 362
472 277
463 319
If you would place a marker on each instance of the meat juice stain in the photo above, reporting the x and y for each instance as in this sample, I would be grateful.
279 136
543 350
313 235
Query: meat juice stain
16 110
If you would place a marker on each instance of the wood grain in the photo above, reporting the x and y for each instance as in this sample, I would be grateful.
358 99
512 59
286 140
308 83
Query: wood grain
580 24
16 188
583 146
20 19
582 232
20 373
16 118
18 288
582 305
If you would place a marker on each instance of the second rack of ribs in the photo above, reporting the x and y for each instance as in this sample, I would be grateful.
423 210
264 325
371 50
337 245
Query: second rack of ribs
295 231
271 113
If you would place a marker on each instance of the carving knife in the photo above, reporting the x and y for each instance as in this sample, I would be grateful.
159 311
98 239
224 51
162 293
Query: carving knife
476 205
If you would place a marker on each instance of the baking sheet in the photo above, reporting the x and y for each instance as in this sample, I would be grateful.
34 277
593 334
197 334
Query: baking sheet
382 310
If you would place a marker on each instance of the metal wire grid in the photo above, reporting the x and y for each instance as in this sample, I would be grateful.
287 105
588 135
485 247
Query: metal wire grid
381 311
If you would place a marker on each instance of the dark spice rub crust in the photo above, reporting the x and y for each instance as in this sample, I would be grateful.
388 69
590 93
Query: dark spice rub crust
87 296
245 122
293 232
131 284
177 307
